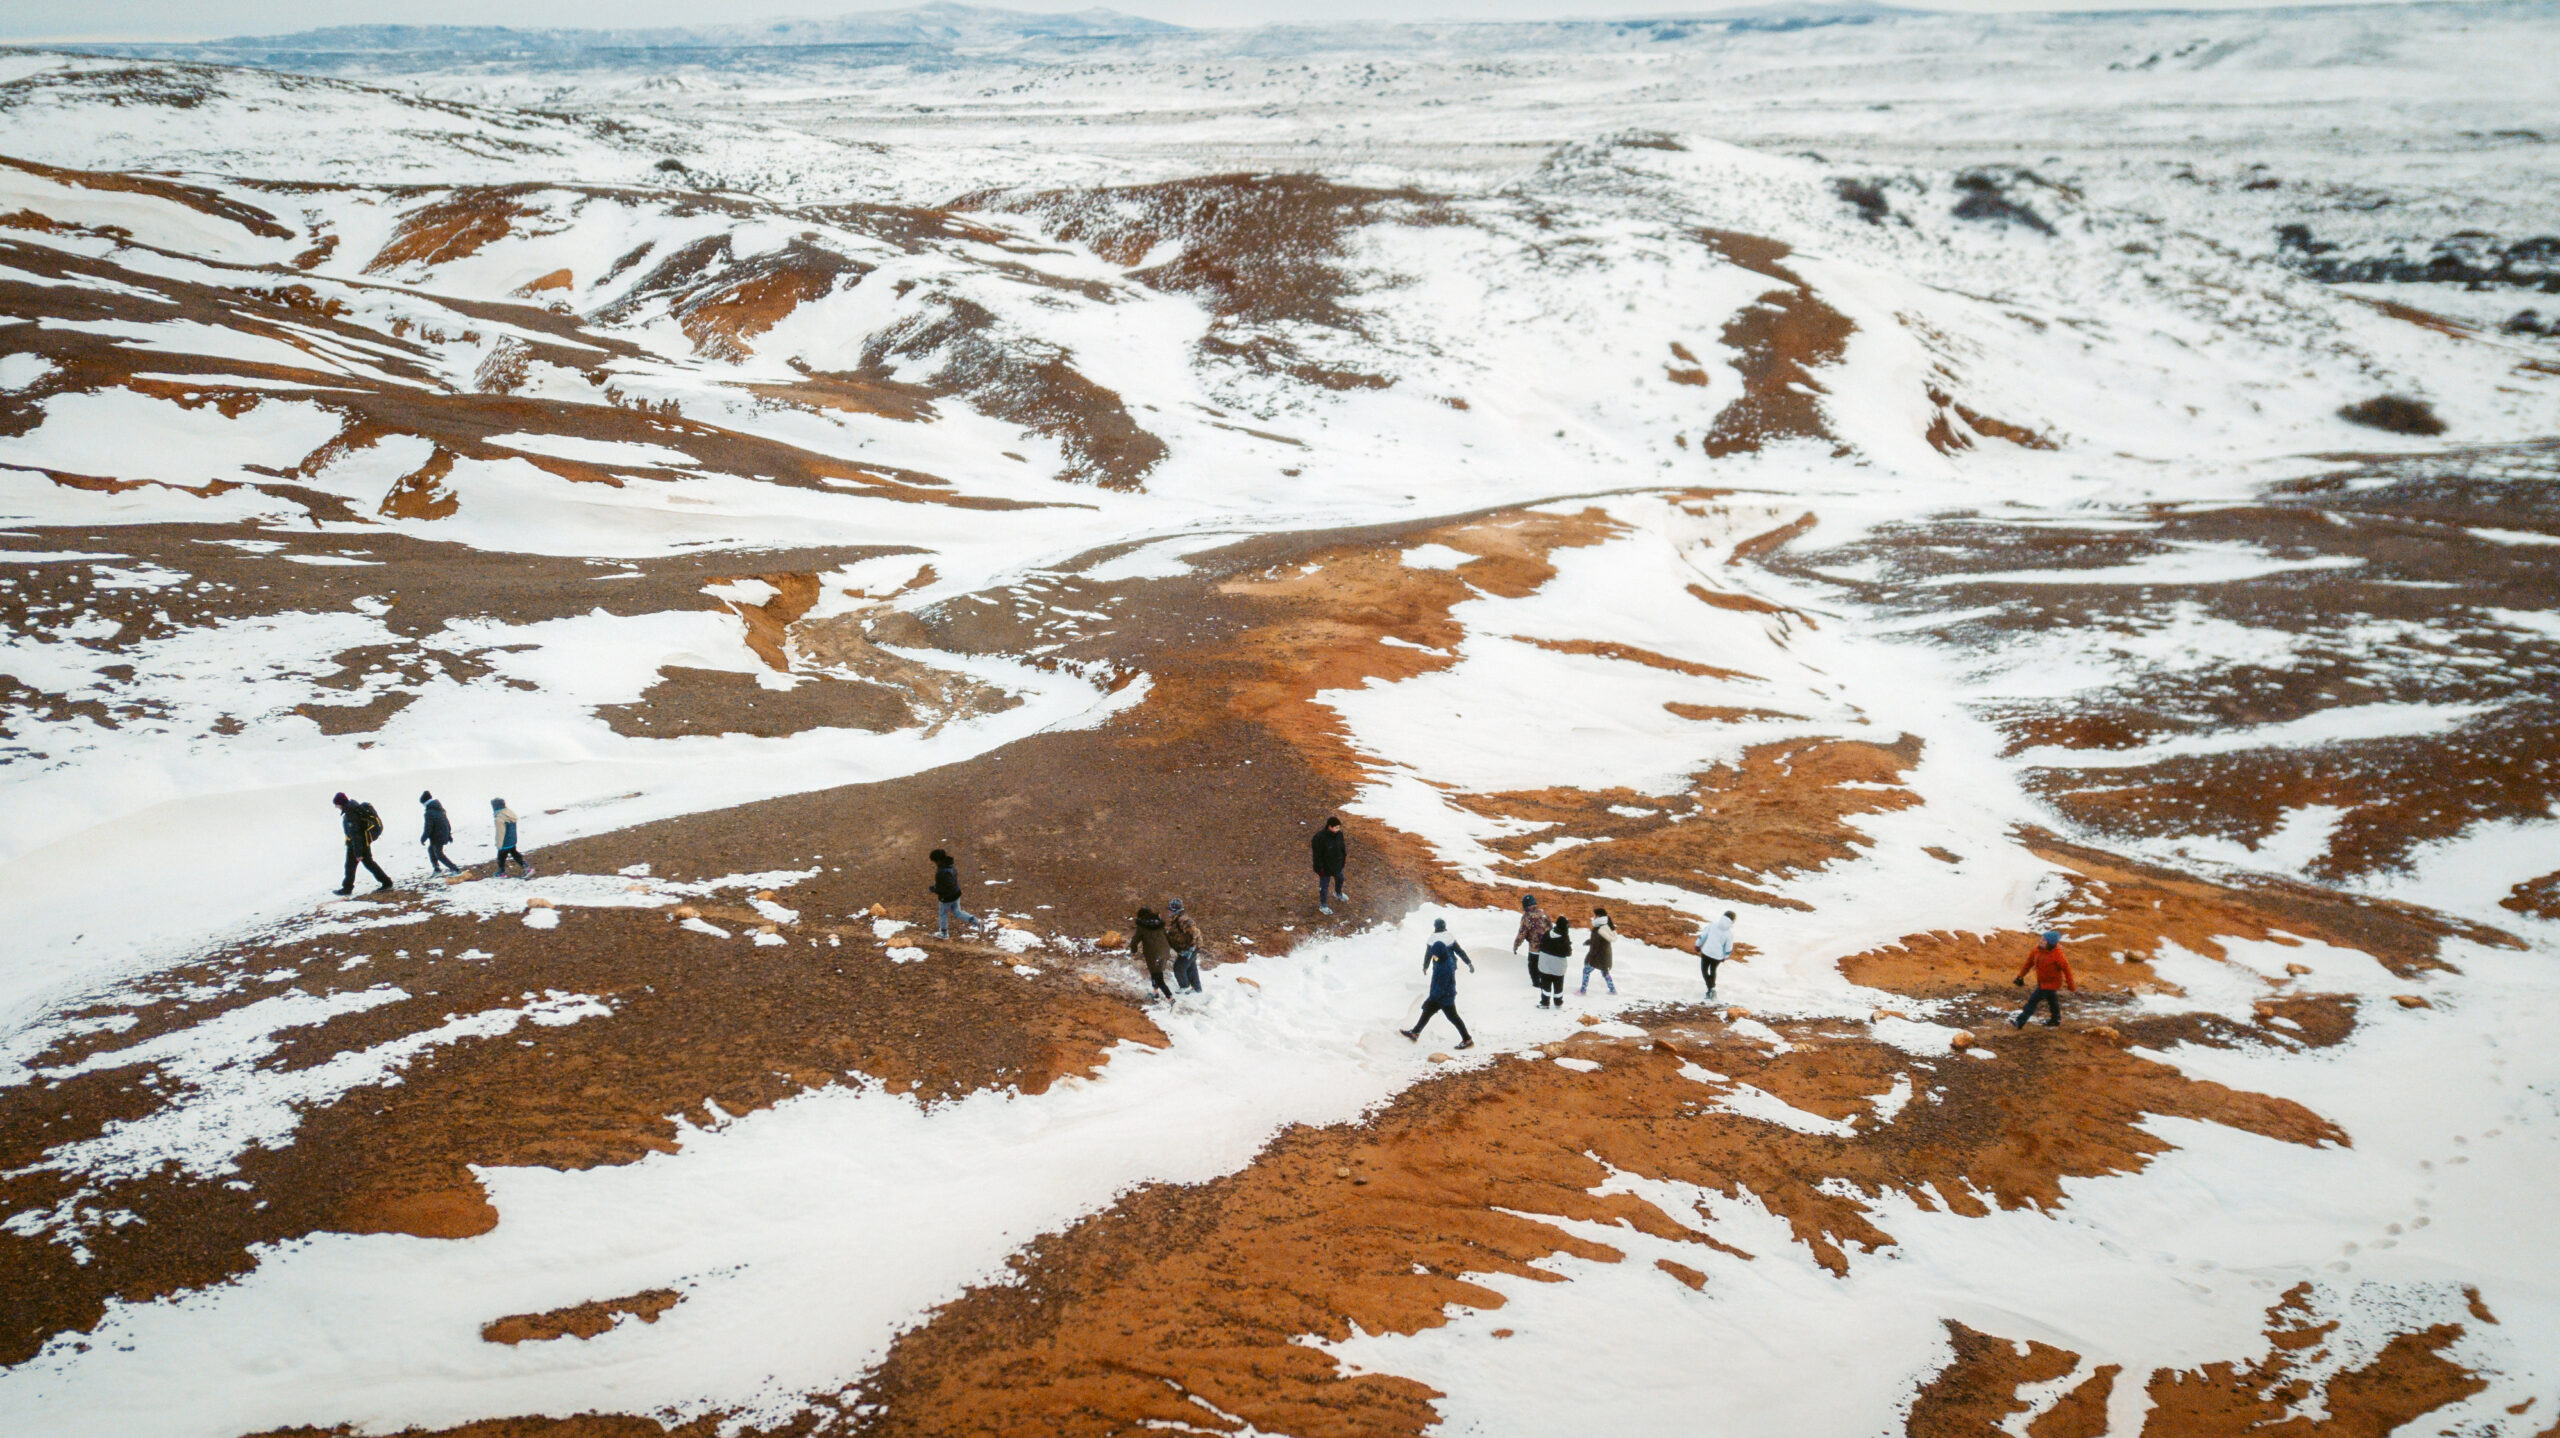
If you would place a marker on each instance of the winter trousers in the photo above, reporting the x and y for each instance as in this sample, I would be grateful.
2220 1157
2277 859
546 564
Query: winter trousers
1186 970
1550 989
2053 1006
951 909
1155 976
511 852
1708 967
1329 885
359 852
437 863
1437 1007
1607 977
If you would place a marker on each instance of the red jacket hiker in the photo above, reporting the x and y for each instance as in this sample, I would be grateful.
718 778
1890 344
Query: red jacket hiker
2053 971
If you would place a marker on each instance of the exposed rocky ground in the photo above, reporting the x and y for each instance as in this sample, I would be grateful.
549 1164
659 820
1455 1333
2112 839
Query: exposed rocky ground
1908 549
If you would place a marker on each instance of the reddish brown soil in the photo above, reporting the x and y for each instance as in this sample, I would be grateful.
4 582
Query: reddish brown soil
585 1320
1780 343
451 227
1184 1303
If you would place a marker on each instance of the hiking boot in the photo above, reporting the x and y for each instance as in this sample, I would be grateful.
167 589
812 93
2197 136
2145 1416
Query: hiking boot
1408 1033
1466 1043
387 888
342 893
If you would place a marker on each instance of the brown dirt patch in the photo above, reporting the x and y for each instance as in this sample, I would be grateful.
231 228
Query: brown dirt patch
1181 1304
2409 1378
451 227
591 1319
198 198
1779 343
2538 897
1611 649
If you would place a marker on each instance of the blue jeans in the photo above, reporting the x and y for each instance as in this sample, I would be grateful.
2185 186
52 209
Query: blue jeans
1328 884
1186 970
951 907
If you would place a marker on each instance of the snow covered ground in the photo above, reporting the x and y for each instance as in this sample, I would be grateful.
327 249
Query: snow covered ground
1839 472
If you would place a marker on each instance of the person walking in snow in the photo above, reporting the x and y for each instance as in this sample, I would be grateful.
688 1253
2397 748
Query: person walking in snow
439 832
503 820
2053 974
1533 932
1555 955
358 821
1147 940
1715 945
1331 851
1184 939
1441 960
946 892
1596 951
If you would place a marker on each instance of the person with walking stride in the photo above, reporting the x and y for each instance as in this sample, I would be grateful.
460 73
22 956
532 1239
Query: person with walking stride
1331 851
1596 951
1442 960
1184 939
1147 941
1715 945
2053 974
946 892
1533 932
503 820
358 821
439 833
1555 955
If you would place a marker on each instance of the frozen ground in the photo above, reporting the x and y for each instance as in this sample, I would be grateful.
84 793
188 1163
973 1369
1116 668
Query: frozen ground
1889 476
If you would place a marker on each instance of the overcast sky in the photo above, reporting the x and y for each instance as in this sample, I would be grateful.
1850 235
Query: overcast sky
207 19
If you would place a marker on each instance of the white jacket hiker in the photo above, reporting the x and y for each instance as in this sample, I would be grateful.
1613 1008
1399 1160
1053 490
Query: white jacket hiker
1715 945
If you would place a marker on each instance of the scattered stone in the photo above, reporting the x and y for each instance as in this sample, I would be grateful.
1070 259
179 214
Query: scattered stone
1882 1014
1444 1058
1736 1011
540 904
2264 1012
768 929
1248 983
767 896
1963 1040
1587 1020
2106 1033
2297 970
1342 1173
1502 1333
685 911
1112 940
2411 1001
877 912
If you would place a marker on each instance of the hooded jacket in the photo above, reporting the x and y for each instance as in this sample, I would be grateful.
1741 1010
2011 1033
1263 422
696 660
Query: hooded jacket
439 827
1715 941
1596 946
946 881
503 819
2053 971
1147 941
359 822
1179 934
1555 952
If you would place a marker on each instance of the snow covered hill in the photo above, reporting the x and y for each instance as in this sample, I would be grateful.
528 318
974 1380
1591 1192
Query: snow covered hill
1912 483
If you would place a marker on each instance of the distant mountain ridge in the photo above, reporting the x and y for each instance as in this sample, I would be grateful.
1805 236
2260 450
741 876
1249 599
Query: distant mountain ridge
937 26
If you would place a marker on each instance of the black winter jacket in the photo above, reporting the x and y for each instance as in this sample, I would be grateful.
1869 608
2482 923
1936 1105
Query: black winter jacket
439 828
946 883
359 822
1330 848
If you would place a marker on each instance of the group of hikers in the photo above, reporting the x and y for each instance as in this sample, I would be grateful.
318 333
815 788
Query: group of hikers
1169 943
362 825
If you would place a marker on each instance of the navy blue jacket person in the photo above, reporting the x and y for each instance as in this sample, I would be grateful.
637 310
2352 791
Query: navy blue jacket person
1442 959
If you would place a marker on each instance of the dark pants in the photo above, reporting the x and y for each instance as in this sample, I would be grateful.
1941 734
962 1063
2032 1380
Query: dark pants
1440 1006
1186 970
1708 967
437 863
1550 988
1155 976
2053 1005
359 852
510 852
1328 888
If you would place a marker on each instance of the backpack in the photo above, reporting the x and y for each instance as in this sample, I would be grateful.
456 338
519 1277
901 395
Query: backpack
368 823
